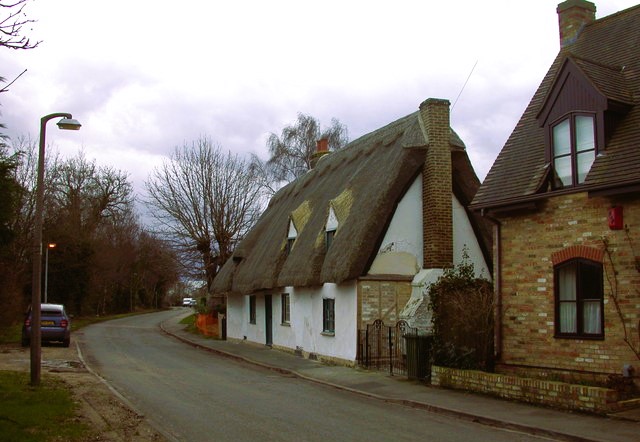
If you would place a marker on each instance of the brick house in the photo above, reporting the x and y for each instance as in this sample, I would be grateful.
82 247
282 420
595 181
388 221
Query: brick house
563 196
357 238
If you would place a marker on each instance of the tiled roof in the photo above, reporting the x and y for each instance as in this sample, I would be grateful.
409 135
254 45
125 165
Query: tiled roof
608 53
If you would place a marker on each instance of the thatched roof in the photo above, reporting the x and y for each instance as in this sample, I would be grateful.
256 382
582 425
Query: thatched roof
363 183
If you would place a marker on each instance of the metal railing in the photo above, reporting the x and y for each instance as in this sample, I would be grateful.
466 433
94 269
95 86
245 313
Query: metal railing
383 347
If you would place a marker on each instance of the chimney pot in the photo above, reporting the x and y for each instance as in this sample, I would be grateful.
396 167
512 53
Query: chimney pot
322 149
322 145
573 16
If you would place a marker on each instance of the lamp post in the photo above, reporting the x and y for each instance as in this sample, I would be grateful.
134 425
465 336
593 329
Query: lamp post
51 245
68 123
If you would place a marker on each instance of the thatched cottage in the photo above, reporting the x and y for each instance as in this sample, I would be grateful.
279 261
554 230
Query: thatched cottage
357 238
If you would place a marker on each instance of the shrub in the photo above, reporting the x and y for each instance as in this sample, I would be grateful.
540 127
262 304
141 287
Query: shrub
462 306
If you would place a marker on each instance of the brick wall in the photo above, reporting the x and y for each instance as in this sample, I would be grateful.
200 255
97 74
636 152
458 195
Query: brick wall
531 241
380 299
436 186
535 391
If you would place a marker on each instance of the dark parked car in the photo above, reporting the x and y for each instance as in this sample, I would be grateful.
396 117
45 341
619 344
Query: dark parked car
55 325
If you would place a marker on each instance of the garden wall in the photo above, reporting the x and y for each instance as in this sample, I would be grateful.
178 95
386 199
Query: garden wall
536 391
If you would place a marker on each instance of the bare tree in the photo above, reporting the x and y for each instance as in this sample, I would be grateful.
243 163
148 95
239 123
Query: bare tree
82 198
292 151
10 192
17 254
9 196
104 261
3 137
205 201
12 19
85 194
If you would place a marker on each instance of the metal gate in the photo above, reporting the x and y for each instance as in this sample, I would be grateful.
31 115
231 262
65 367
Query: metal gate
383 347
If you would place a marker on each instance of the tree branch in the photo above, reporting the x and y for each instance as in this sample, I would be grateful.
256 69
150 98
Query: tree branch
6 88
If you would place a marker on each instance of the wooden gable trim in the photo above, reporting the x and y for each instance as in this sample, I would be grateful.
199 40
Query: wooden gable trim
618 189
572 92
576 101
390 278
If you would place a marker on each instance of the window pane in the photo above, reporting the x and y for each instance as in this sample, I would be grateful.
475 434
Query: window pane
591 317
286 310
252 309
328 315
561 139
590 281
567 283
585 160
585 133
330 235
290 242
562 167
568 309
568 317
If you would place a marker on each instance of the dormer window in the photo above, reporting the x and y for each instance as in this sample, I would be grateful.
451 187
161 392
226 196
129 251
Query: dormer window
331 227
579 114
329 237
290 242
574 148
292 234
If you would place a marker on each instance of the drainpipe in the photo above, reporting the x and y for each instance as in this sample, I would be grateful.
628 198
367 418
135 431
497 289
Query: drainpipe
497 286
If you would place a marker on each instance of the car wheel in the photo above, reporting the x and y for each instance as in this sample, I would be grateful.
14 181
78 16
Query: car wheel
66 342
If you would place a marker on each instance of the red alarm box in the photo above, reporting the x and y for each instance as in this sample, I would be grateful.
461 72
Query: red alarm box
615 218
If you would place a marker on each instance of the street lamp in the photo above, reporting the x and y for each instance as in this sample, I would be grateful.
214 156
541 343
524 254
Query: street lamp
68 123
51 245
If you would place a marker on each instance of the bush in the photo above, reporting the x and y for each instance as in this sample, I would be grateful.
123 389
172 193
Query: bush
462 306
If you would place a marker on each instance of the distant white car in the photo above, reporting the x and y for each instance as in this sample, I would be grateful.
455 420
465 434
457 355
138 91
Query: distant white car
188 302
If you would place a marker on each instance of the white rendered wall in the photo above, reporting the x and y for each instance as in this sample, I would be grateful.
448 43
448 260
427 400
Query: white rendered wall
464 237
236 320
401 251
401 248
238 325
304 331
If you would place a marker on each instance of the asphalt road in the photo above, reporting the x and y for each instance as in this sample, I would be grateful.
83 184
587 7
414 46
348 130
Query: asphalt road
192 395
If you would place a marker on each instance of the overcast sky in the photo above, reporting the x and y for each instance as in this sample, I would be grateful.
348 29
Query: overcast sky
145 76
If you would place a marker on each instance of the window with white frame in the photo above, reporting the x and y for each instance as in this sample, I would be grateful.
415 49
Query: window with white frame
573 148
579 299
285 302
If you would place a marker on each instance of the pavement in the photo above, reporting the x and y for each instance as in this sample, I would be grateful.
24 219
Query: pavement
515 416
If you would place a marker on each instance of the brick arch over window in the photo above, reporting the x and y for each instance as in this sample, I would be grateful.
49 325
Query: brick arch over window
572 252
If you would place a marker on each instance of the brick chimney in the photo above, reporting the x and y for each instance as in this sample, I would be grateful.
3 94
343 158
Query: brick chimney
573 16
322 149
437 210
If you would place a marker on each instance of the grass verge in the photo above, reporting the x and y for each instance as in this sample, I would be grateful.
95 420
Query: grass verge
44 413
190 322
